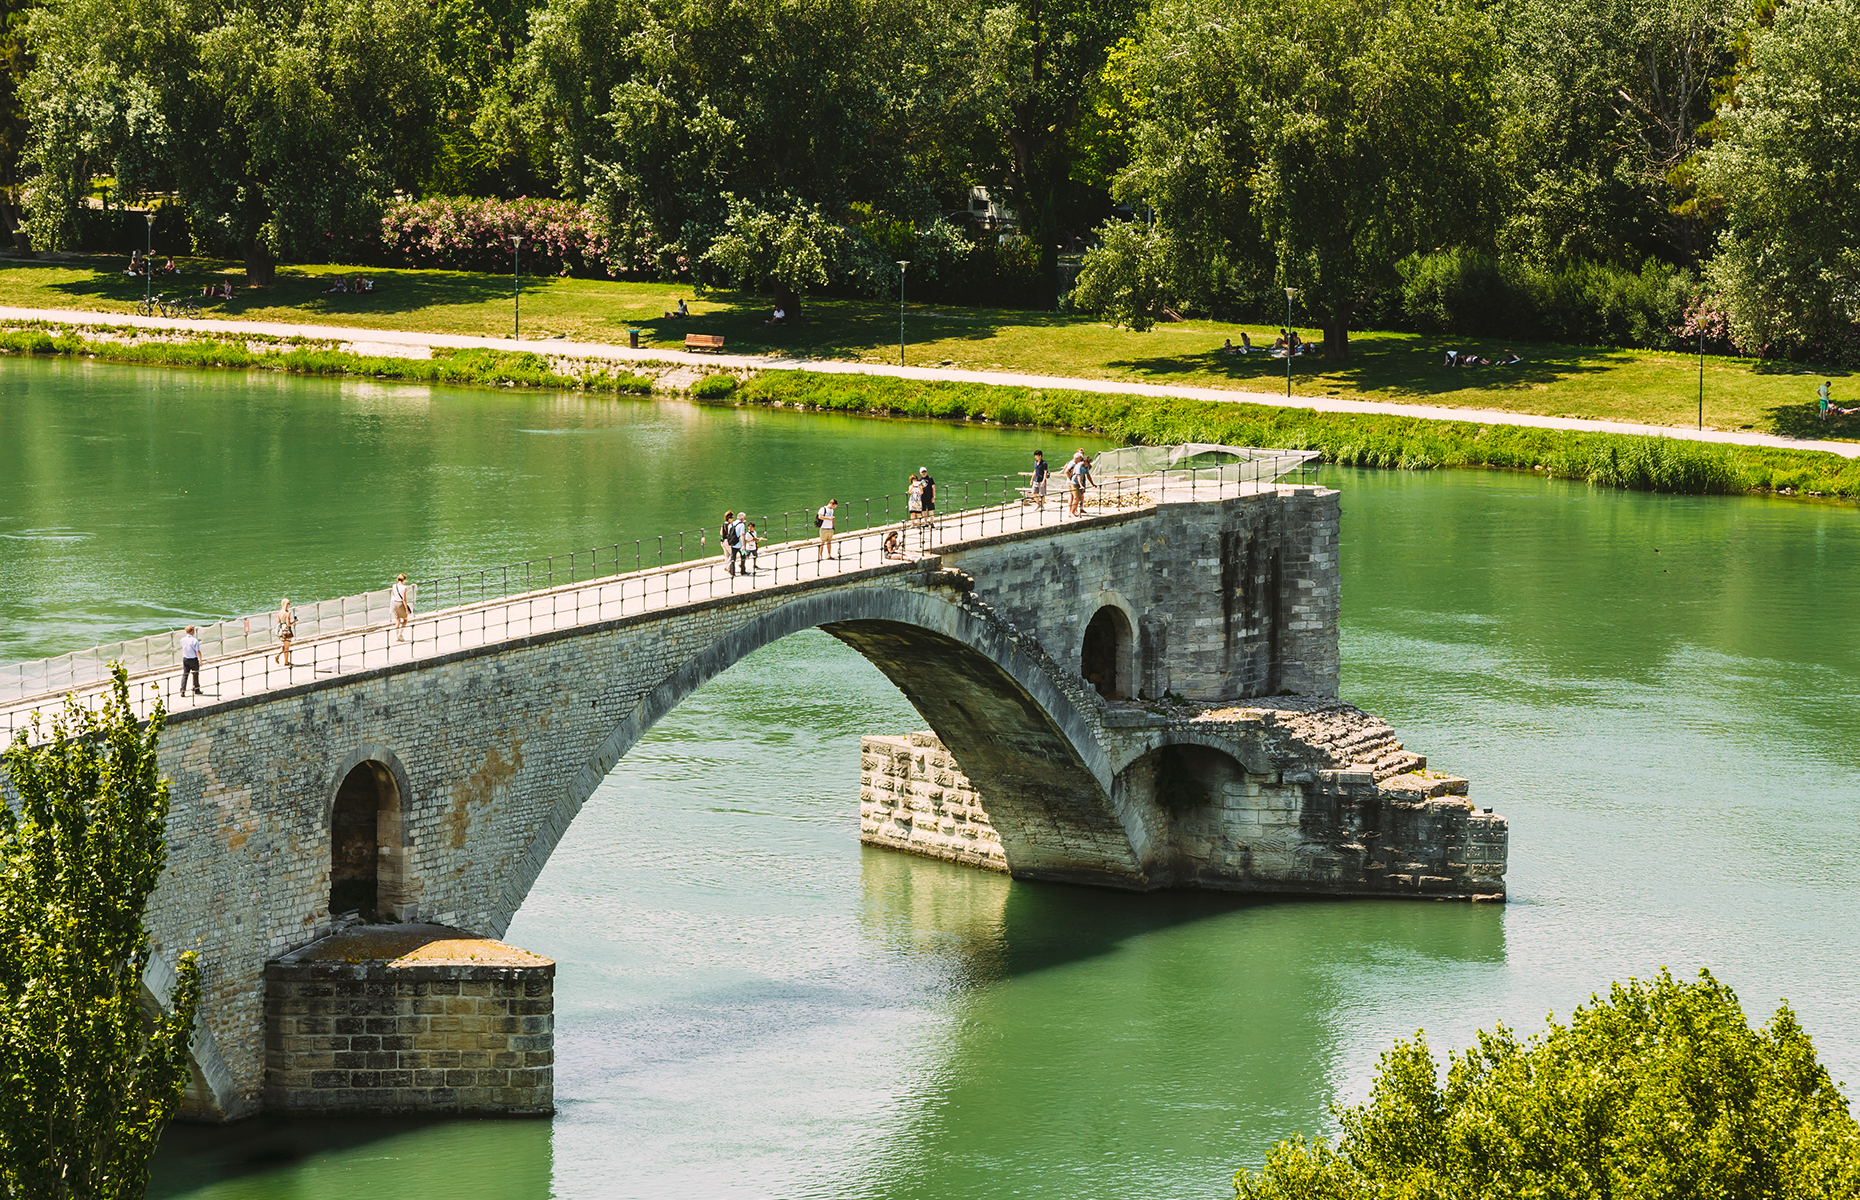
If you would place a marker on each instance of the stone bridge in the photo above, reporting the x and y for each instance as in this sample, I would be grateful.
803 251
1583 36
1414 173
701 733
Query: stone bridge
429 781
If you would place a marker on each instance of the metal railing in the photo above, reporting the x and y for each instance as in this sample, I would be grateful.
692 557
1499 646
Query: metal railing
242 656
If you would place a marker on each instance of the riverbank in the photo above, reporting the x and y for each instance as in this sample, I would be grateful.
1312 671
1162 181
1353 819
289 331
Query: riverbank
1343 432
1580 382
1640 463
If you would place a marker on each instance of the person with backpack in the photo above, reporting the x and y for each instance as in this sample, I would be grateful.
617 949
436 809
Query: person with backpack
823 521
726 537
1078 472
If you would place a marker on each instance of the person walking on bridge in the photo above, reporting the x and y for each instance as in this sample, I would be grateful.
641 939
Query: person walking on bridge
400 596
824 521
190 660
929 482
726 536
287 629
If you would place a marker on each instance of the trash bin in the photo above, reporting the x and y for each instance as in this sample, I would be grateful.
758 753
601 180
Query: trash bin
632 339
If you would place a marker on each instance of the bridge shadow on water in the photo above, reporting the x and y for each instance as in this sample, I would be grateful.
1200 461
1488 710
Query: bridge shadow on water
507 1158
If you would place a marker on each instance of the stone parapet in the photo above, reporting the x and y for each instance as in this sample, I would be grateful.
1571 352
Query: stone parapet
410 1019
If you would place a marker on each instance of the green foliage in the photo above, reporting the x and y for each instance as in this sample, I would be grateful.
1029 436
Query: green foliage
654 110
1662 1091
92 1075
1606 103
1035 70
1320 142
494 368
1788 266
713 387
282 125
787 247
1583 303
1126 276
1346 439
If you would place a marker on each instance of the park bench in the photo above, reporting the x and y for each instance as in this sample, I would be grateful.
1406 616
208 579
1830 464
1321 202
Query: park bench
703 341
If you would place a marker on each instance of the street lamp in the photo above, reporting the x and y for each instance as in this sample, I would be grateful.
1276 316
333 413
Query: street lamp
1701 378
148 276
516 286
902 263
1289 293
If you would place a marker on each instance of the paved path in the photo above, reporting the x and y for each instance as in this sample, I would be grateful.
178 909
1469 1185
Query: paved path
253 670
389 342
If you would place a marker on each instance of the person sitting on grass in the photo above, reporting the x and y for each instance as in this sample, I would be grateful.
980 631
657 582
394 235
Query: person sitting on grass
780 316
1246 343
135 263
168 268
1228 347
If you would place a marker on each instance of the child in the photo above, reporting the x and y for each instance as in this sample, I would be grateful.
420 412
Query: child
748 551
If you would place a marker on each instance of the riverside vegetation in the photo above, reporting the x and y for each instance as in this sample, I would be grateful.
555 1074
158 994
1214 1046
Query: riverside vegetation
1347 439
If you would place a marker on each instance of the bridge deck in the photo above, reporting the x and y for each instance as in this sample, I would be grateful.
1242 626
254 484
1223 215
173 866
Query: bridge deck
254 670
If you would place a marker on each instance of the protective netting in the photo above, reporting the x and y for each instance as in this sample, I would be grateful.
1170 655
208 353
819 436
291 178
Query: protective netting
1201 460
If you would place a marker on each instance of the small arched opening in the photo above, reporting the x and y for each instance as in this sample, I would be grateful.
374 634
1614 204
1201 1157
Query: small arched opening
1105 660
364 858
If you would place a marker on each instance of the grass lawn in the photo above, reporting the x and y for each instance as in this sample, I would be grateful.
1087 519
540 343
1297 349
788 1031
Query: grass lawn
1629 385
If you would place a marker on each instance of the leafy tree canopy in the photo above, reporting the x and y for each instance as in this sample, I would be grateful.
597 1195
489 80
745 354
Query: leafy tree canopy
281 124
93 1066
1788 166
1661 1092
1337 136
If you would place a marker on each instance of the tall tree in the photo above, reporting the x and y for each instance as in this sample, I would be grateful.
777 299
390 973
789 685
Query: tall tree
1788 166
1329 137
1606 105
90 1077
1039 64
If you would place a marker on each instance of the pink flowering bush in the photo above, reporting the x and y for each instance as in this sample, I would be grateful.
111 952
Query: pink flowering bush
462 233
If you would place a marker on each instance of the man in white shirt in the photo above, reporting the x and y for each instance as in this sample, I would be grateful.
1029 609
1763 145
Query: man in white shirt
824 519
190 660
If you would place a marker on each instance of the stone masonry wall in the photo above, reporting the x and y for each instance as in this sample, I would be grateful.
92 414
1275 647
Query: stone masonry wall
912 797
366 1035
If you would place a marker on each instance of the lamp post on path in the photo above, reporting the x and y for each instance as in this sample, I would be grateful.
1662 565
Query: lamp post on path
1701 378
1289 293
902 263
148 276
516 287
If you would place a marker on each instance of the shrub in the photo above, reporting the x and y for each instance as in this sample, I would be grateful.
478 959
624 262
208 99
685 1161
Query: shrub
1662 1090
713 387
459 233
1585 303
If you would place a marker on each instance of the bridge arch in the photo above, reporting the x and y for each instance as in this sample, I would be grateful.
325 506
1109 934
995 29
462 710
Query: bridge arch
994 698
368 796
1108 651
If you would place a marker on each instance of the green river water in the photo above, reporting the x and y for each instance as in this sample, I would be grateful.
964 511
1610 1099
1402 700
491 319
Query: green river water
1659 692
